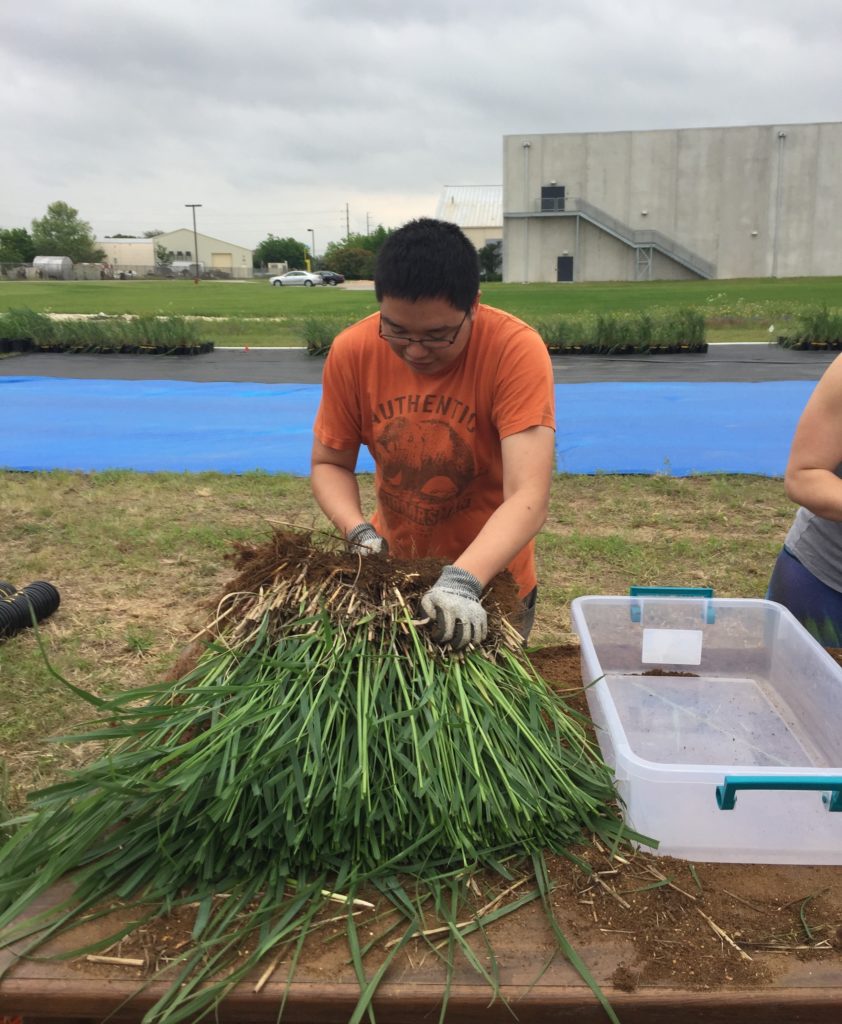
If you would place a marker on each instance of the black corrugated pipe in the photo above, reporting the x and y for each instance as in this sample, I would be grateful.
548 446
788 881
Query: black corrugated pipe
18 606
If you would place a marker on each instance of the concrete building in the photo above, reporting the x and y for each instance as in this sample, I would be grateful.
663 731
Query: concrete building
128 254
476 209
215 257
756 201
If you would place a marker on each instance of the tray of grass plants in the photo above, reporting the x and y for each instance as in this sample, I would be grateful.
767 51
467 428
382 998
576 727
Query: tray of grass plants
674 331
808 344
315 744
819 329
24 330
8 345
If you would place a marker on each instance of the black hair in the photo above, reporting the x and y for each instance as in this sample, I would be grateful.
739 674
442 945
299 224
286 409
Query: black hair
428 259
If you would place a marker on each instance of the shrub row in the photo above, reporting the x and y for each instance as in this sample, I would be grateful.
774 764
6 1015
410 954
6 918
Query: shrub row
24 330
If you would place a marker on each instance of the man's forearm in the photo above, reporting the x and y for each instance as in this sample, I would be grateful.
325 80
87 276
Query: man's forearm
338 495
511 527
527 473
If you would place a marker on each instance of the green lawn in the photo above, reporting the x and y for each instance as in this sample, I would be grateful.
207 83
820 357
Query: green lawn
256 298
733 298
258 314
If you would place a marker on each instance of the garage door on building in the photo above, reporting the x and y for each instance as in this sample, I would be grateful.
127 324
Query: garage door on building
222 260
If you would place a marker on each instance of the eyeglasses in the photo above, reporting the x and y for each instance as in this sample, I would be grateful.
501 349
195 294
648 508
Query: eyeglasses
432 343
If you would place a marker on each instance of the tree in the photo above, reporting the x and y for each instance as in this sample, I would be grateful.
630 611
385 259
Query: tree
490 261
163 256
16 246
60 232
356 255
354 263
153 233
372 241
280 250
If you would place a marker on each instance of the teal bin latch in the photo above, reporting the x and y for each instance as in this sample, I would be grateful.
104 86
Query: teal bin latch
726 794
703 592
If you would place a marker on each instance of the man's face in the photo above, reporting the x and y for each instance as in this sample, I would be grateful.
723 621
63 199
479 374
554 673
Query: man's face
428 334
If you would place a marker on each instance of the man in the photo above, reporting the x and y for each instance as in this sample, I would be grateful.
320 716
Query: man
454 400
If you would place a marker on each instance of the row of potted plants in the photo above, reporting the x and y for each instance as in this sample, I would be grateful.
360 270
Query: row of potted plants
24 330
678 331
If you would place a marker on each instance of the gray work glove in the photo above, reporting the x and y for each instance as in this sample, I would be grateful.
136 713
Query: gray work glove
365 540
454 609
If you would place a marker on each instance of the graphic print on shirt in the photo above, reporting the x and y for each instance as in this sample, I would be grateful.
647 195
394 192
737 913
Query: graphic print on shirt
426 467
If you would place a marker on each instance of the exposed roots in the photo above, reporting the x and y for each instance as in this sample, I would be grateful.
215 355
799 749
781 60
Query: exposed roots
293 576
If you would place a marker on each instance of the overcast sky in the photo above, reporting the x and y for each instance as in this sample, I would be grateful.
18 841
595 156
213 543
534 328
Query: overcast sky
277 115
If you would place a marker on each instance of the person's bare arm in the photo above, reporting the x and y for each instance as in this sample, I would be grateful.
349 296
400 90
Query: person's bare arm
334 483
528 461
816 449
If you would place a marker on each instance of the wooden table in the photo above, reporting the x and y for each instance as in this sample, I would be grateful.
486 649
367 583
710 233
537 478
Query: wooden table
79 993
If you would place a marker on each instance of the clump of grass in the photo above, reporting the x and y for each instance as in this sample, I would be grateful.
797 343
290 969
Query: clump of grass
680 326
564 333
162 331
320 744
26 323
318 333
558 333
617 333
820 326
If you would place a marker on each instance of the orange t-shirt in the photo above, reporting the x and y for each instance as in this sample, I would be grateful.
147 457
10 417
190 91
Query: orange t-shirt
435 439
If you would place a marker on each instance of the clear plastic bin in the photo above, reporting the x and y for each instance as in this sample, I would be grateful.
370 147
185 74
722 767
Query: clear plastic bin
722 720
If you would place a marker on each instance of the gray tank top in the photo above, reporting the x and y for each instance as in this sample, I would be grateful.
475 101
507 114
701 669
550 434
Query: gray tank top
817 544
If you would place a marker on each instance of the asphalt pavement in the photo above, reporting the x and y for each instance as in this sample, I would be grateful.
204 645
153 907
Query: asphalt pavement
722 362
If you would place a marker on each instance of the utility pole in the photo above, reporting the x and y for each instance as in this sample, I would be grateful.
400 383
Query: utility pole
347 222
195 240
367 224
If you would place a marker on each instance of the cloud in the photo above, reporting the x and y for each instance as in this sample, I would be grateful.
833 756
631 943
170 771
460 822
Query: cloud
281 117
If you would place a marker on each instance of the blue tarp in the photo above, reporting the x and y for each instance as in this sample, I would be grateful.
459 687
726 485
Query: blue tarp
678 428
161 425
156 425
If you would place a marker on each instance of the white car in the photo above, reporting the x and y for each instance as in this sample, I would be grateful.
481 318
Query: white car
296 277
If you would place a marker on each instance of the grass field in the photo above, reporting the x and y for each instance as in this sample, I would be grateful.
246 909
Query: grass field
258 314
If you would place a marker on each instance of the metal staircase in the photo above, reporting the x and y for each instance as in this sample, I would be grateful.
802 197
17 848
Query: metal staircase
645 243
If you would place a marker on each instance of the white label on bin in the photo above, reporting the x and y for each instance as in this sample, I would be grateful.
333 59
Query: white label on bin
672 647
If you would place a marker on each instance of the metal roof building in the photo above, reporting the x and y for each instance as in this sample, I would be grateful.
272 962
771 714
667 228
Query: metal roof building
477 209
216 257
